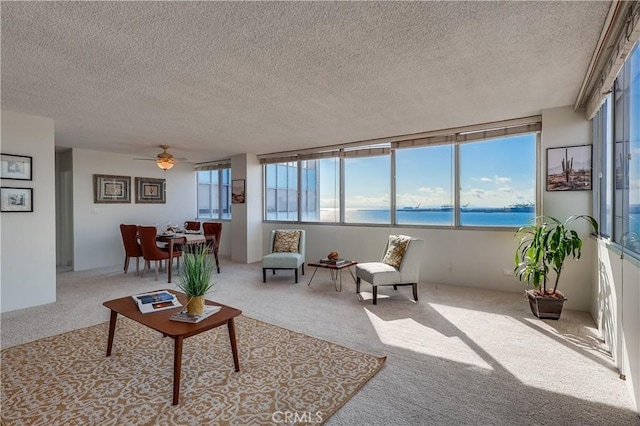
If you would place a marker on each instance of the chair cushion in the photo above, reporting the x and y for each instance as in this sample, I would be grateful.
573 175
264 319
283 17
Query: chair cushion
286 242
377 273
396 249
282 260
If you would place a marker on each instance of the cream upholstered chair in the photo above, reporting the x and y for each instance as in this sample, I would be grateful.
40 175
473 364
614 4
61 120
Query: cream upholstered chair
286 251
400 265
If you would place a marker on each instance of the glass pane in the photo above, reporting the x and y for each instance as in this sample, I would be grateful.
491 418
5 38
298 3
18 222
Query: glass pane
367 187
204 200
271 204
321 190
204 176
423 185
632 231
225 194
497 180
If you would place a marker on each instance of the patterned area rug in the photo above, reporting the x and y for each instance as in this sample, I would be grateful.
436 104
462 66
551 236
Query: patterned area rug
285 377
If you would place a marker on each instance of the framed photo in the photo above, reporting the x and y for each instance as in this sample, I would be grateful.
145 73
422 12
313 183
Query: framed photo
16 167
569 168
111 189
150 190
16 199
237 191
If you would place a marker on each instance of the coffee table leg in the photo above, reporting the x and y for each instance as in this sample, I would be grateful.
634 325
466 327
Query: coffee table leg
234 348
112 330
177 365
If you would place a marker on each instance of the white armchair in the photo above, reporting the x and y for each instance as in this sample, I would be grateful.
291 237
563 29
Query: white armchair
286 251
380 273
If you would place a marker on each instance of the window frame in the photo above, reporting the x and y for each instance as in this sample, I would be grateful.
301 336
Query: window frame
392 193
220 192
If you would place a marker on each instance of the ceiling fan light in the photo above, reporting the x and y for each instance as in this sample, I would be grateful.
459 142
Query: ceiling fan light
165 163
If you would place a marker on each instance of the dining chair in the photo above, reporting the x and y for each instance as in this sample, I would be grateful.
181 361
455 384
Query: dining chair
131 247
212 232
191 225
151 251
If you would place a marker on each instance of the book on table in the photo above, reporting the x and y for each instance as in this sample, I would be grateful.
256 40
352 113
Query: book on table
156 301
183 316
333 261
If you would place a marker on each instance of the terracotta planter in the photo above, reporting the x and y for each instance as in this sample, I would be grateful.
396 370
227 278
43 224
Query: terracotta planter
545 307
195 306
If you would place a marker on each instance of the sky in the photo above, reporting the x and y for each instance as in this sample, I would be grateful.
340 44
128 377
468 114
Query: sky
494 173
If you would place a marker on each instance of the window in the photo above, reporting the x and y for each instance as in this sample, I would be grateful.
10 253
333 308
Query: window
497 181
617 198
281 184
474 178
603 153
214 194
321 190
367 187
424 185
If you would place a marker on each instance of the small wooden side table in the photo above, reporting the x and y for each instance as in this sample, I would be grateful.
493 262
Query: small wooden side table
335 270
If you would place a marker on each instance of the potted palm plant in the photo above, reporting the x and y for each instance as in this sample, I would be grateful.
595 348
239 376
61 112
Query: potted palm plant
543 248
195 276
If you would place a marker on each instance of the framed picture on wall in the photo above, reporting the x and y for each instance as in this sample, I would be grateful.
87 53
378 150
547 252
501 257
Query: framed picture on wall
111 189
16 199
150 190
17 167
237 191
569 168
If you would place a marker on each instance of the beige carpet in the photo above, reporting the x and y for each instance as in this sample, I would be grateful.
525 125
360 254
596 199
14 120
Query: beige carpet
66 379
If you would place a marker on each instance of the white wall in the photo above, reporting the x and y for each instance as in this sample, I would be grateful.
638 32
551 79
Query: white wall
565 127
246 218
474 258
97 241
28 255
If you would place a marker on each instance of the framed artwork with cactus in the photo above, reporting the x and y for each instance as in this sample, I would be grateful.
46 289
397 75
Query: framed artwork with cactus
569 168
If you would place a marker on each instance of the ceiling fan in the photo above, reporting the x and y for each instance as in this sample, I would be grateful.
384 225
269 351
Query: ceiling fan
164 160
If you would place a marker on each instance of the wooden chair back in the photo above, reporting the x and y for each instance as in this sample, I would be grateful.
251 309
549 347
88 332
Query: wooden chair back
130 240
150 250
192 225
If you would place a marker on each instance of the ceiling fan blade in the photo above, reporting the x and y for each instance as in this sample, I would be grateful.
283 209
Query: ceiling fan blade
145 159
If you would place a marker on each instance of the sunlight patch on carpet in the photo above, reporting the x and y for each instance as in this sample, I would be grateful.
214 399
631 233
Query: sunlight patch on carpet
409 334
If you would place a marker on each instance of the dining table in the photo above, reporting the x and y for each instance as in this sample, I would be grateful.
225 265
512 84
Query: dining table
174 238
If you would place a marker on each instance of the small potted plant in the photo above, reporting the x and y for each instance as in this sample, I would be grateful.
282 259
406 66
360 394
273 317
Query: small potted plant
195 276
542 248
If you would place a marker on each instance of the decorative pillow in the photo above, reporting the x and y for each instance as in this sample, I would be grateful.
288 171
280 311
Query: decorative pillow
286 242
395 250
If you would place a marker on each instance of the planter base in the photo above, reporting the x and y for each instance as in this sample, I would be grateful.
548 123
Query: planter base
545 307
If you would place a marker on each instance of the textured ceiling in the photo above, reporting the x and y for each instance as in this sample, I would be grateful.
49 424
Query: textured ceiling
213 79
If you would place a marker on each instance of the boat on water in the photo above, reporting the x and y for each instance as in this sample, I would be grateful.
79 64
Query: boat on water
521 207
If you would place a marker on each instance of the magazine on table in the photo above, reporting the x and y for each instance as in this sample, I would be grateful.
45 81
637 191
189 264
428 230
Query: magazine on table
183 316
156 301
333 261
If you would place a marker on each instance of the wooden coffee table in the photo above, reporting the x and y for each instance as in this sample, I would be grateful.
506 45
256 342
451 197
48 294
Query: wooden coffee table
335 270
178 331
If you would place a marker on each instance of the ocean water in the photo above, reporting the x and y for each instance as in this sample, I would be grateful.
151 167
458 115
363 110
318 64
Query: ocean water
436 217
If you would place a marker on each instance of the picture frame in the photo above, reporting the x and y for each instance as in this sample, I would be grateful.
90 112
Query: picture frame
237 191
16 200
16 167
150 190
569 168
111 189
